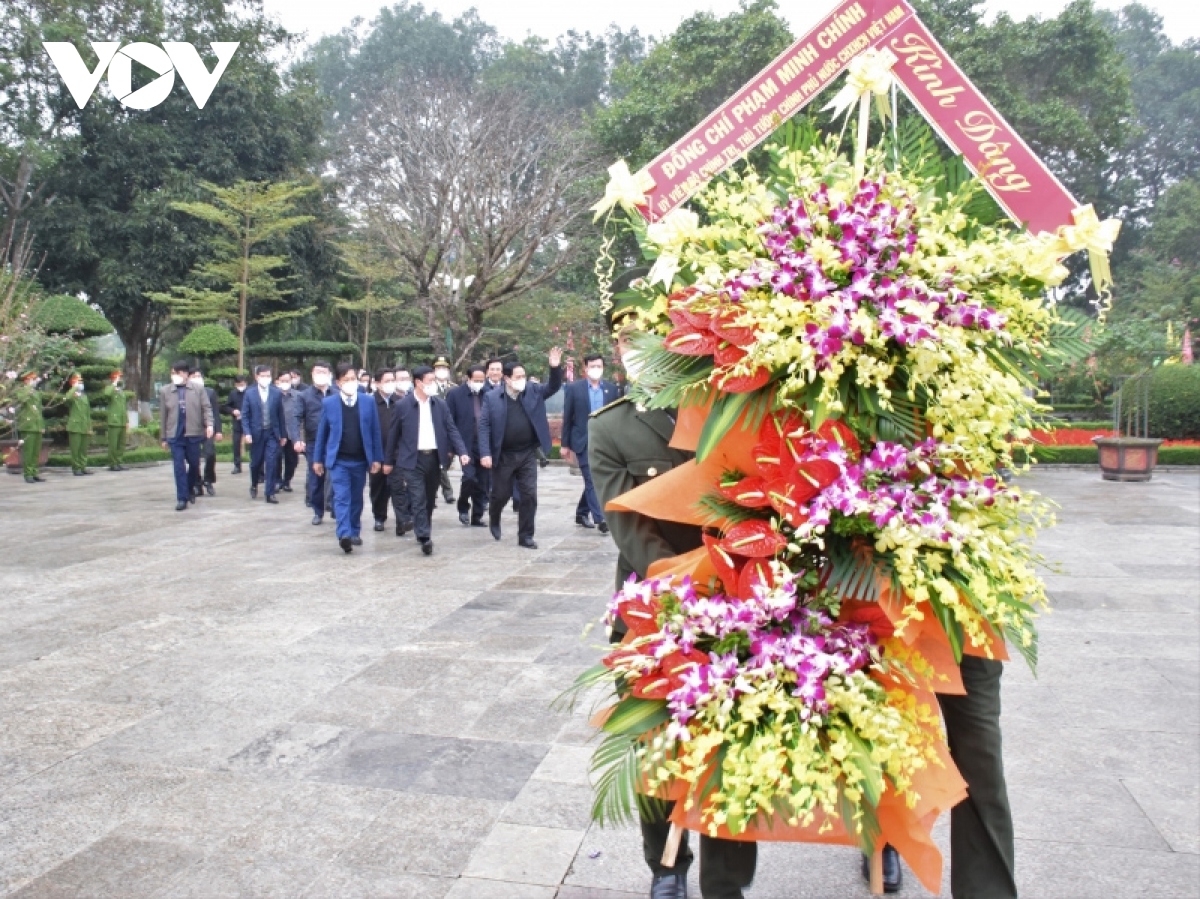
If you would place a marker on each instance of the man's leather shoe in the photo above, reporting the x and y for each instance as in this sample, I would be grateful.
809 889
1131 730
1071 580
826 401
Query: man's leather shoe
669 886
237 469
427 547
494 527
208 488
527 543
317 519
602 527
401 528
448 496
892 877
357 541
307 503
378 525
478 523
192 500
286 488
465 518
345 544
271 499
583 521
254 493
180 506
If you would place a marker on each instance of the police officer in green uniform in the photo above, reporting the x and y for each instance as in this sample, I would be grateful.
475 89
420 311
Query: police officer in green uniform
79 424
628 446
30 425
117 419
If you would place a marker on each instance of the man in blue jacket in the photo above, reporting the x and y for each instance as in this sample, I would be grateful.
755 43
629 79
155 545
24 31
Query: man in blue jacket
348 446
422 439
581 399
466 406
511 429
265 430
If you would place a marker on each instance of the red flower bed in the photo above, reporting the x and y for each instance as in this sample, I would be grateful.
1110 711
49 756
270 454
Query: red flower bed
1083 437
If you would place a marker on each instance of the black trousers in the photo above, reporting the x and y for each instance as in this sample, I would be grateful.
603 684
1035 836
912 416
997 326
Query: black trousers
519 467
385 488
982 856
421 485
237 442
285 465
472 493
208 452
263 452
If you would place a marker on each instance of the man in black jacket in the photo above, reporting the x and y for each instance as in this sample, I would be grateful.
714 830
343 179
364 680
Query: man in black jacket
207 474
307 412
466 405
233 408
584 398
512 427
379 485
422 438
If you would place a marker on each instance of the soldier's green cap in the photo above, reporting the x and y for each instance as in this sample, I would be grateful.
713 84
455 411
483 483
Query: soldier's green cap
625 299
29 373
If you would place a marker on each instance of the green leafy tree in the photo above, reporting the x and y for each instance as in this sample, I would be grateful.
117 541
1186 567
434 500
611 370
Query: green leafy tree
239 278
368 266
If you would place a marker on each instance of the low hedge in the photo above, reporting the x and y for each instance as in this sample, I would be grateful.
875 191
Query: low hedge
1090 455
1175 402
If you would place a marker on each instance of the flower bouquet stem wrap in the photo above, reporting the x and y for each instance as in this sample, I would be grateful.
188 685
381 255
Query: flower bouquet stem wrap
853 360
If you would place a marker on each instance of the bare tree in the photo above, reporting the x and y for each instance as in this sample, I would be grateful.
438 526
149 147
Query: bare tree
475 195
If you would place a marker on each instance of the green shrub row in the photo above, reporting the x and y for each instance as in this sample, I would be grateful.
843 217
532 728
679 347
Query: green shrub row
1090 455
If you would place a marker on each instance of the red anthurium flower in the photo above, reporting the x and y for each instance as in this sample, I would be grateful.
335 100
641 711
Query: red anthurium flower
682 296
756 539
723 326
750 492
688 341
813 477
669 675
726 564
840 433
678 317
757 572
728 354
743 383
641 618
619 655
785 497
767 458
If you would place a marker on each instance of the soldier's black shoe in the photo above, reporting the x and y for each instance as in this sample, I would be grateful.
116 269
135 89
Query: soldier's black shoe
254 493
29 480
271 499
77 474
181 505
113 468
85 472
121 468
527 543
427 547
357 541
602 527
494 527
346 545
465 518
583 521
210 490
669 886
39 480
317 519
378 525
893 879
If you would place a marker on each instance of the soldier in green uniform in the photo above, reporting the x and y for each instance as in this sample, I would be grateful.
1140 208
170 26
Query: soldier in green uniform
79 424
30 425
117 419
628 446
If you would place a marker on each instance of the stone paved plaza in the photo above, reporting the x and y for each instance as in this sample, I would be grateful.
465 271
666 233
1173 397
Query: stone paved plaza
220 703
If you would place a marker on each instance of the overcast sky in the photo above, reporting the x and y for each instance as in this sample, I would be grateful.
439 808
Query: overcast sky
550 18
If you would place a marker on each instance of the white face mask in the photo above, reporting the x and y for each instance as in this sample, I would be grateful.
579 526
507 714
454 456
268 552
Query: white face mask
595 372
79 387
349 387
196 382
177 380
264 382
388 389
475 386
285 386
404 386
321 380
442 374
518 384
631 359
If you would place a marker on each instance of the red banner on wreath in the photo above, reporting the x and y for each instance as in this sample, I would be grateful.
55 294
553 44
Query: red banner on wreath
1018 180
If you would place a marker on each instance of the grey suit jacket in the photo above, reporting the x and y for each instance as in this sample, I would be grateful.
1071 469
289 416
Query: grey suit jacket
199 412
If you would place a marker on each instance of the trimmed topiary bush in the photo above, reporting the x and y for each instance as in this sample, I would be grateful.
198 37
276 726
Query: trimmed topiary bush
62 314
1175 402
208 340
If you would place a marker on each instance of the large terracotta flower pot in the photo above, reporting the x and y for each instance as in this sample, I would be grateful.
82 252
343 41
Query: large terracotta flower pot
1127 458
11 451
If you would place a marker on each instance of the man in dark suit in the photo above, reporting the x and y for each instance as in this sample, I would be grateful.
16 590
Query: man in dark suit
349 446
233 408
511 429
307 419
206 474
423 438
380 484
185 421
266 431
289 457
581 399
466 406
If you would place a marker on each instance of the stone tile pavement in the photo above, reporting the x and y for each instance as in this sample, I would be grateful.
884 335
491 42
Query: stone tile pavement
219 703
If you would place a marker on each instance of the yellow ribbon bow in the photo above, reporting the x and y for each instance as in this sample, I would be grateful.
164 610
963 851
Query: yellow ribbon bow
1097 237
625 189
869 74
